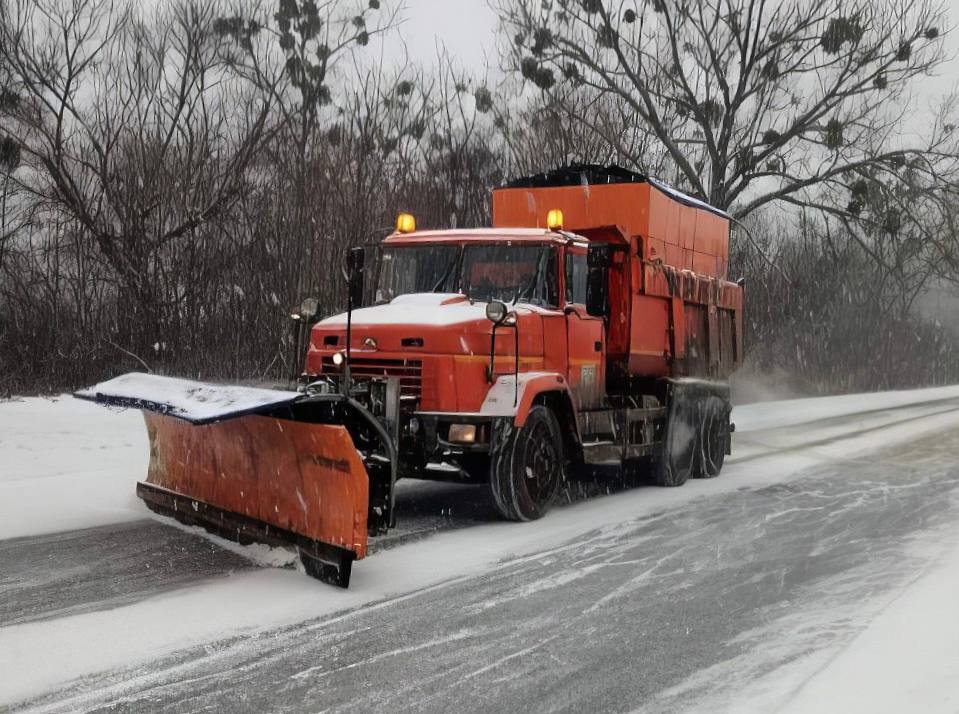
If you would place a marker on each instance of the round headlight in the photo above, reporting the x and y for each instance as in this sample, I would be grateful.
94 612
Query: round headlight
338 358
495 311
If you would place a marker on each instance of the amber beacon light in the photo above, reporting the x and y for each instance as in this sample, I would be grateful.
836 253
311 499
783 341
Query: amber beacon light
554 220
405 223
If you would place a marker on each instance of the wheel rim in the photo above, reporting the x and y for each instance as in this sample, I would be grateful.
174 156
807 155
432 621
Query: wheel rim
540 464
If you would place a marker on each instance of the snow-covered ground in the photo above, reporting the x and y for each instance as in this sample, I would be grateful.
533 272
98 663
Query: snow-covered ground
67 464
907 659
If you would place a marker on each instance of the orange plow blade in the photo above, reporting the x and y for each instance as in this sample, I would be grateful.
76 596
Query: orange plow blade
258 478
258 466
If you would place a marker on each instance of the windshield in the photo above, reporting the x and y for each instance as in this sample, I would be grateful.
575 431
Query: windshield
502 271
509 273
417 269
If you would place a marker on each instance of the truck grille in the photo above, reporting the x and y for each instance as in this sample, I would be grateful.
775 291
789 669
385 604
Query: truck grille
410 371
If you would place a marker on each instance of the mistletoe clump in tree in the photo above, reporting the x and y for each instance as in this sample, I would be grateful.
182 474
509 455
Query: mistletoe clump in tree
751 103
311 36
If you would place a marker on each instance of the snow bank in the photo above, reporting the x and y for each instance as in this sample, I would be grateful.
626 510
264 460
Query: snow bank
792 412
44 655
906 659
67 464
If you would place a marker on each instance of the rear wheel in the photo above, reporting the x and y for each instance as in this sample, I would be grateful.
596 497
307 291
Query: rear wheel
713 435
526 465
678 460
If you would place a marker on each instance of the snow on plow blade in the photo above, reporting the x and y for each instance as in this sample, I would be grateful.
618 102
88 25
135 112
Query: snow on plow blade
252 465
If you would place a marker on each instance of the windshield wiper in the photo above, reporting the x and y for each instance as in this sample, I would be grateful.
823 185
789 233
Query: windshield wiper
446 274
537 279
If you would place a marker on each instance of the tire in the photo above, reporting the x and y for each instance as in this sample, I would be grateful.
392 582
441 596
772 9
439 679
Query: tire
678 461
526 465
713 435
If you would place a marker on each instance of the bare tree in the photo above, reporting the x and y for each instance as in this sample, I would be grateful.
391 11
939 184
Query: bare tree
138 129
841 320
311 38
301 44
575 124
14 213
753 101
461 152
907 230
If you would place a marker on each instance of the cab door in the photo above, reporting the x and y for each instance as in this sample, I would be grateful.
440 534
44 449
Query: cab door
585 338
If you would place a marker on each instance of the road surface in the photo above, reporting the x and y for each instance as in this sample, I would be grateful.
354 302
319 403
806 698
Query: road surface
646 600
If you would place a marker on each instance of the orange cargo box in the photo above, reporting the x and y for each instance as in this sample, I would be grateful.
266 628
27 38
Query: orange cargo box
676 229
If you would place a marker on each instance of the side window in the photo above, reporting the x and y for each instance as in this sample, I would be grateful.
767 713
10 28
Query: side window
547 291
576 278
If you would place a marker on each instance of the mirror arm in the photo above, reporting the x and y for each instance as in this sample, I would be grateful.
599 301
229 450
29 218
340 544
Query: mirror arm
492 353
516 366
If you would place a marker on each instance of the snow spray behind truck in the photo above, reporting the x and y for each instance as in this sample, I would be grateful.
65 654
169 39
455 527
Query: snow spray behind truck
592 324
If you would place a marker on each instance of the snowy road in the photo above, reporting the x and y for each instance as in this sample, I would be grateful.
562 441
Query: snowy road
745 593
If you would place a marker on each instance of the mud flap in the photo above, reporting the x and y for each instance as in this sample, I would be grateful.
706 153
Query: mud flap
253 471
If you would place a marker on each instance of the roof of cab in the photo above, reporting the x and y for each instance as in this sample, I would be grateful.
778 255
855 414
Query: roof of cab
460 235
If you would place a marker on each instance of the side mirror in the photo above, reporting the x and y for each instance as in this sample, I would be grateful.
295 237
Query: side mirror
309 309
597 280
356 269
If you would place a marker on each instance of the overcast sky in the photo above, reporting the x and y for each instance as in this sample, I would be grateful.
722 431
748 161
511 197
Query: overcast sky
466 27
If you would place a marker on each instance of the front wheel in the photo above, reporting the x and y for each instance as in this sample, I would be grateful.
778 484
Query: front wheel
526 465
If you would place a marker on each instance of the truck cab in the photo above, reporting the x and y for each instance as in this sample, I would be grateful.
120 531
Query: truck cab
459 365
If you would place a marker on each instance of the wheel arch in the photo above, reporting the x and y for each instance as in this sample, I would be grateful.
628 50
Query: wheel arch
560 402
514 399
510 396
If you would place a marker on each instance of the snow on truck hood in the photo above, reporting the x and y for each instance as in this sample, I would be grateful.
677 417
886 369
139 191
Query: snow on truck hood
437 309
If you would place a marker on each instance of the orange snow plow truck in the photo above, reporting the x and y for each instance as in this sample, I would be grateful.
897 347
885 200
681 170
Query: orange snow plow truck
592 324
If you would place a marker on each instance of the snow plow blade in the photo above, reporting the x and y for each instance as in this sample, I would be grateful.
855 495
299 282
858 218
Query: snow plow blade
257 465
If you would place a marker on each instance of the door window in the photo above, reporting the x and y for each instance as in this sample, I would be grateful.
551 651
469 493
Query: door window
576 278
